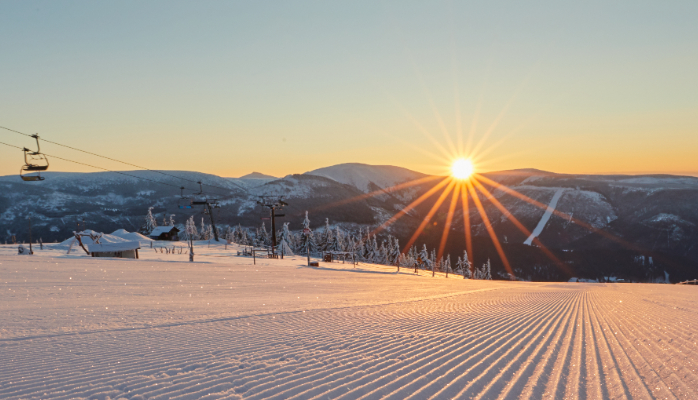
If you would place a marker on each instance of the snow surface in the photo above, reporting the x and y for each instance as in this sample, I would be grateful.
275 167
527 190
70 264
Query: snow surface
72 326
545 218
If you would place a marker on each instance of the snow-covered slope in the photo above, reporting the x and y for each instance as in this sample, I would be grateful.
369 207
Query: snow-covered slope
228 327
362 176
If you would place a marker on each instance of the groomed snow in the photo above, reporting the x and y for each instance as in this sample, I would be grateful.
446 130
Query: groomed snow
73 326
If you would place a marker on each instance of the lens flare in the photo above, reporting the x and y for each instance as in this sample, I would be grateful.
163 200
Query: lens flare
462 168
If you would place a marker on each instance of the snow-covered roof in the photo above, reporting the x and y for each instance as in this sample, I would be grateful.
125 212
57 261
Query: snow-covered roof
162 229
111 247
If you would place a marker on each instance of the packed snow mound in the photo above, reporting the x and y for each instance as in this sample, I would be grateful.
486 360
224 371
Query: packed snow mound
362 175
118 236
88 240
131 236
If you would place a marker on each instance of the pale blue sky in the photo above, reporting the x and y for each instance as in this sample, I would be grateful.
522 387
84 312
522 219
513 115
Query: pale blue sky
286 87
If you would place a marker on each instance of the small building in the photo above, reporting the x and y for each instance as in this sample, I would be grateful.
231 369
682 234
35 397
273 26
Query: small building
165 233
118 250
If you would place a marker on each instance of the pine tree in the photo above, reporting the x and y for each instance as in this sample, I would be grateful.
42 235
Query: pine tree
307 242
203 232
337 243
394 254
383 254
172 221
368 249
447 264
487 273
376 250
263 236
326 237
190 229
150 223
467 267
164 220
423 257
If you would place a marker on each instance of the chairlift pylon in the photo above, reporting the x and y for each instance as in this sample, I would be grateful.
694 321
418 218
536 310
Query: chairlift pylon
34 163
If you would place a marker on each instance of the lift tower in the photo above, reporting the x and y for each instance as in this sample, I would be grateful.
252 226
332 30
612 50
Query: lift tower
209 205
273 203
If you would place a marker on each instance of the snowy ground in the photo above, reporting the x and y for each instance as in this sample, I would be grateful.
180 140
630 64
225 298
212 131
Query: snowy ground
73 326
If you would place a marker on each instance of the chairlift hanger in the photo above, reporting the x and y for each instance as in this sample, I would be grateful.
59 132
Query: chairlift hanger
183 202
34 162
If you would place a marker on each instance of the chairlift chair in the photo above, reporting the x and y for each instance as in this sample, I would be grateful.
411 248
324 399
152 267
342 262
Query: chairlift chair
183 202
200 199
34 163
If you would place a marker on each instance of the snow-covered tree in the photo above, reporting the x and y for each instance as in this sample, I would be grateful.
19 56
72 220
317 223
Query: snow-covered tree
368 249
150 222
394 253
423 258
467 267
263 236
190 230
325 238
447 265
487 273
172 221
306 242
337 243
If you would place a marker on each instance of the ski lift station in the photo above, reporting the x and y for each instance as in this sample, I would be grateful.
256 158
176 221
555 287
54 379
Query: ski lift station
118 250
169 233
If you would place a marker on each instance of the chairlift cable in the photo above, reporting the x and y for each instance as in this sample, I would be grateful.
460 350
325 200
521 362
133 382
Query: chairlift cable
105 169
124 162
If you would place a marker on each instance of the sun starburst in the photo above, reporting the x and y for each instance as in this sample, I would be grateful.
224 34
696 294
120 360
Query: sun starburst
462 168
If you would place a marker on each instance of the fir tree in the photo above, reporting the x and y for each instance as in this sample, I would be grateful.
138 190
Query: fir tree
326 237
337 243
394 254
203 232
447 264
263 236
150 222
307 242
382 254
423 258
368 249
172 221
190 230
467 267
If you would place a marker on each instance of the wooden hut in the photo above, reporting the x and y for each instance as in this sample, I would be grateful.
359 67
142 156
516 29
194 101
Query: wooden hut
118 250
169 233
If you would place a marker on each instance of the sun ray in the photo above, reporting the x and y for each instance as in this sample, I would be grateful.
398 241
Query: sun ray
387 190
421 149
412 205
428 135
521 228
430 214
449 220
560 214
483 153
466 222
505 109
490 230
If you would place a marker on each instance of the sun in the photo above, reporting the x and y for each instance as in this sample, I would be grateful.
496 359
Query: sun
462 168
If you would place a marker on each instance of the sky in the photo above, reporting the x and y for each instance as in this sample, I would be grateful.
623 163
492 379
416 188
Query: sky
231 87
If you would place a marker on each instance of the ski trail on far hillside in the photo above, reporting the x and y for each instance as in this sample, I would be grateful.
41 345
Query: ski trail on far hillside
546 216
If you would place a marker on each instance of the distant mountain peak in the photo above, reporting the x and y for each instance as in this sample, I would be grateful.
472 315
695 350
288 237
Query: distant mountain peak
257 175
362 176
